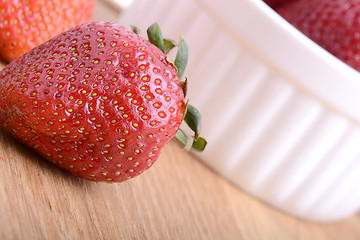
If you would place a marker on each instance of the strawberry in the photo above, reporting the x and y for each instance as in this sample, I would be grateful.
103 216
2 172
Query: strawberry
98 100
334 25
24 24
277 3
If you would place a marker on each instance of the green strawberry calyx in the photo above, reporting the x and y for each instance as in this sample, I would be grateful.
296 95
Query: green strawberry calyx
192 115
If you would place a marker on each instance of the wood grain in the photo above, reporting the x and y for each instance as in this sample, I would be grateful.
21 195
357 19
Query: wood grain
178 198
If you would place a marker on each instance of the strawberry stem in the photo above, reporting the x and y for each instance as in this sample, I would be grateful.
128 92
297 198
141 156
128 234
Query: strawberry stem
192 117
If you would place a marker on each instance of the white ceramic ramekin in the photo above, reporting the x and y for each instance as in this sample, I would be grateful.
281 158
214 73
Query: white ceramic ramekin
281 115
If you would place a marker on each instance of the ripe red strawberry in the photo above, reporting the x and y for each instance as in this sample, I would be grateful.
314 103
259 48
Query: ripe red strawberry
97 100
24 24
277 3
334 25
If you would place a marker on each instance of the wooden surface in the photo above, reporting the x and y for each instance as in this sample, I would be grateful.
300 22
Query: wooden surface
178 198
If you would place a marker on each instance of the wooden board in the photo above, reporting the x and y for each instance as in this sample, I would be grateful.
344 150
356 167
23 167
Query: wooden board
178 198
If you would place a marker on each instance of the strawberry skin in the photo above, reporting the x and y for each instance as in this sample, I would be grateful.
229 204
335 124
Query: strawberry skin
334 25
277 3
97 100
24 24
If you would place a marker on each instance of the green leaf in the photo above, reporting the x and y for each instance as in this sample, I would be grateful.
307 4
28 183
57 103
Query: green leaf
168 45
181 58
155 36
189 143
199 145
184 139
193 120
181 136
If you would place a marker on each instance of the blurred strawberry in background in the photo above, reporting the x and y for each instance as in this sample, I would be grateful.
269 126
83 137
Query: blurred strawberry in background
334 25
277 3
24 24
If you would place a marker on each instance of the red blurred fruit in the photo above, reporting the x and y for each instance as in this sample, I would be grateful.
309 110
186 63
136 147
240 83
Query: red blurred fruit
334 25
24 24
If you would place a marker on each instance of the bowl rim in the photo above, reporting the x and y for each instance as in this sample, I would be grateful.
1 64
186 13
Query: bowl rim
310 69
